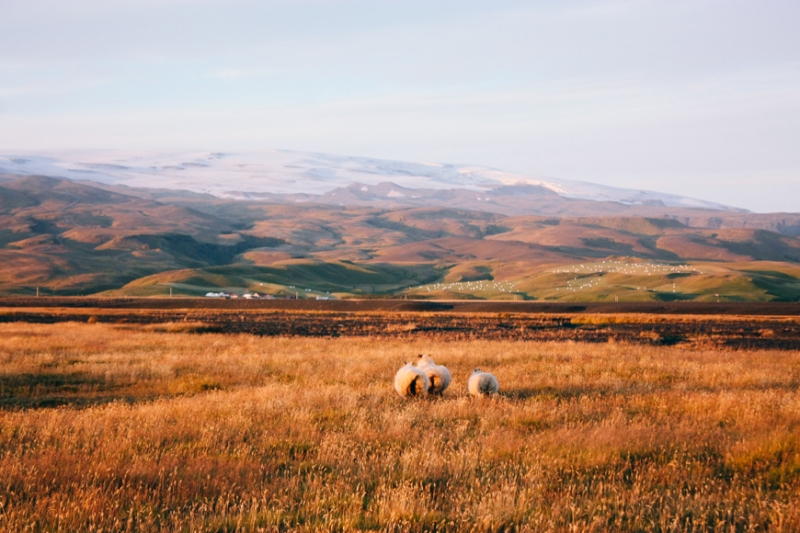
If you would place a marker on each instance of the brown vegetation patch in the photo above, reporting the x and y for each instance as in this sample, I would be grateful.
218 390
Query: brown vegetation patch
443 321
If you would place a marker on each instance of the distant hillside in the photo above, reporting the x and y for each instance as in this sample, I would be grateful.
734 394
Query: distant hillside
511 200
291 278
69 237
74 239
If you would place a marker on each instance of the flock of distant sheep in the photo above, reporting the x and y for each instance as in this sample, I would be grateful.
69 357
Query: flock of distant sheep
426 377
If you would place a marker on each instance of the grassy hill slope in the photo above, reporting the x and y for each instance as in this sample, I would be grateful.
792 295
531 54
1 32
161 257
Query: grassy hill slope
304 278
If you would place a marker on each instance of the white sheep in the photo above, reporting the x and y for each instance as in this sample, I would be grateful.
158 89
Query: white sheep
438 375
482 383
411 381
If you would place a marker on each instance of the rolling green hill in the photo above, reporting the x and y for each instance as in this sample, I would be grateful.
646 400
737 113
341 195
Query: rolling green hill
304 278
616 279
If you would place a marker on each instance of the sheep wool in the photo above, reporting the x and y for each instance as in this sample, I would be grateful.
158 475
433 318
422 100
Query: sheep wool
438 375
411 381
482 383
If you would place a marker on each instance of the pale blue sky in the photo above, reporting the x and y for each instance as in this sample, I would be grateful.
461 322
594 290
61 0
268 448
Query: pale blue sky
693 97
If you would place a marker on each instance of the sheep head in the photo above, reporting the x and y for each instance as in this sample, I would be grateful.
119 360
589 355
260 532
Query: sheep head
425 359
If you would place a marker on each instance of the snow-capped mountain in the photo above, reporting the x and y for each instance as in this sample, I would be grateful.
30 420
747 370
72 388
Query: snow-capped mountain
242 175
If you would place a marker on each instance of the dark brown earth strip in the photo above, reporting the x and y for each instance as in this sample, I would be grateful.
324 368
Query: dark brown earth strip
718 331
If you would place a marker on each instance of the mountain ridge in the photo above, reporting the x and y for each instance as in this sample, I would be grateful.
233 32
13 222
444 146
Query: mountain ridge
275 172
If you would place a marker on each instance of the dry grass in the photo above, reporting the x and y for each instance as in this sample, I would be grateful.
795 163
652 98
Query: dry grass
111 429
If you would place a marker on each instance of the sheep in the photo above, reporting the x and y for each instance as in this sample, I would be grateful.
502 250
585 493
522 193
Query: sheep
438 375
482 383
411 381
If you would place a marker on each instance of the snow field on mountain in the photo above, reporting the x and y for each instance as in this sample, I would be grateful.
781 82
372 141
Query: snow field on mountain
235 175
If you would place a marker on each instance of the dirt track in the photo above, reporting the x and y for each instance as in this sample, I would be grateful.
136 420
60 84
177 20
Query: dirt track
697 324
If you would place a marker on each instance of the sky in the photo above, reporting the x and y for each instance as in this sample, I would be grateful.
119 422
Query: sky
693 97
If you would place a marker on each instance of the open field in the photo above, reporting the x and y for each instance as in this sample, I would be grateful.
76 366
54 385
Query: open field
125 427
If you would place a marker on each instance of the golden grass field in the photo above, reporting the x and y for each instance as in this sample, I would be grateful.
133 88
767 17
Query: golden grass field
142 428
